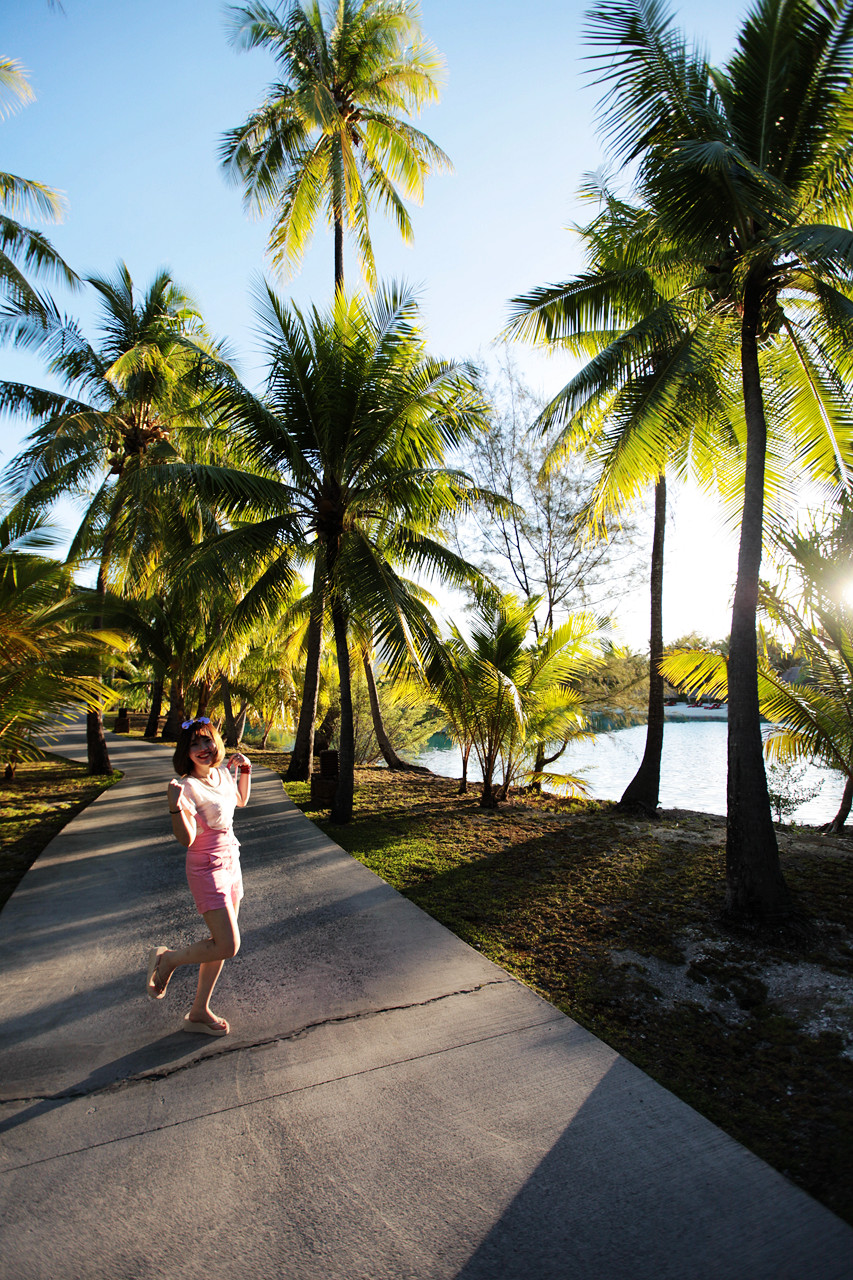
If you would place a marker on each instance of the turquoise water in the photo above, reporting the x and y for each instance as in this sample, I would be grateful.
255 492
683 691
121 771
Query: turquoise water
693 768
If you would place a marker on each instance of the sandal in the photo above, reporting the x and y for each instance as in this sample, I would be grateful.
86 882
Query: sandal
205 1028
153 988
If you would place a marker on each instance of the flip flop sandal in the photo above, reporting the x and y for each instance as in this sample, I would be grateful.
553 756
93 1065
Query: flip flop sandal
203 1028
155 993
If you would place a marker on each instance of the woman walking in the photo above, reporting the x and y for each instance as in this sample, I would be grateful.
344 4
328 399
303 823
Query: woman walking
202 801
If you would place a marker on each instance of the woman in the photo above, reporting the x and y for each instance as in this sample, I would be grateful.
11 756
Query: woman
202 803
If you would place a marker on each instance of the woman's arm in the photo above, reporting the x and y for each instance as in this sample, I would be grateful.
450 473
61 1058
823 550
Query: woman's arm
241 767
183 822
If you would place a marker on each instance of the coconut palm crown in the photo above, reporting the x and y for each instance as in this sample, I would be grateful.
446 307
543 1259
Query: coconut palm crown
330 137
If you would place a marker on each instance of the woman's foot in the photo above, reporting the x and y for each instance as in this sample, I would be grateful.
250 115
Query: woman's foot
206 1024
157 981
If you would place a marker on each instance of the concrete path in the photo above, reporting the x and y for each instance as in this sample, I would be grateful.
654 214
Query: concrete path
389 1104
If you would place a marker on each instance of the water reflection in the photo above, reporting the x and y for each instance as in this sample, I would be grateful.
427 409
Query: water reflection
693 768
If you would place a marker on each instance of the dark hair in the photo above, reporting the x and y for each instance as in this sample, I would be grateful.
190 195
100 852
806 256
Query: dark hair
181 758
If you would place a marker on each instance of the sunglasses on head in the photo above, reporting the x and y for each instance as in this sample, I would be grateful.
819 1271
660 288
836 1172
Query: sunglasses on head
188 724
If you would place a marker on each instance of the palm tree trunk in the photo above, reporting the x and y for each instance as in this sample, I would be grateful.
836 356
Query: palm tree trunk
755 887
154 713
339 253
643 791
342 803
229 737
204 692
837 824
240 723
98 758
389 755
301 759
177 711
463 781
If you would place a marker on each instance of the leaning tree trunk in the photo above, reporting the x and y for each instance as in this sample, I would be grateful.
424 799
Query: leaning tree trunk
229 737
389 755
643 791
299 769
156 706
755 887
837 824
343 799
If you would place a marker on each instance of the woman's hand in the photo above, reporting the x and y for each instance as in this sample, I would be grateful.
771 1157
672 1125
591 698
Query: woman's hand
239 761
176 791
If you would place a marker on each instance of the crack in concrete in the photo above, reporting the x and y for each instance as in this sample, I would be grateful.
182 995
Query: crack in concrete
222 1049
243 1104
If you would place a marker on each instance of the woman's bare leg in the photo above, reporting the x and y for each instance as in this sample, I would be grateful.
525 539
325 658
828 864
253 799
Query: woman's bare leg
223 943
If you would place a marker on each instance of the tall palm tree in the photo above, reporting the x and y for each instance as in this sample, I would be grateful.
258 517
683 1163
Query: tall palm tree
139 400
747 173
23 250
646 402
330 137
355 420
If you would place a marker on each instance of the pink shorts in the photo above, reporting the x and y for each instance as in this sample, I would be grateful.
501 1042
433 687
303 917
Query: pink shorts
213 870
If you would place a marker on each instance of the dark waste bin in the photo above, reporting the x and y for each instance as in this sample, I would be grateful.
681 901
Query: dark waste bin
122 724
328 764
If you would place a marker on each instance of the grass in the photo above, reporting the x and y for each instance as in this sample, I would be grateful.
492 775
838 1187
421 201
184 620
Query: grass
617 922
35 807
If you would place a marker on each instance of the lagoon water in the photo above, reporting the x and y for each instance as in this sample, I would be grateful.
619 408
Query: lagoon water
693 768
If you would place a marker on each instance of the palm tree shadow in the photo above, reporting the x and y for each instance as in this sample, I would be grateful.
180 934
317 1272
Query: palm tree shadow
110 1075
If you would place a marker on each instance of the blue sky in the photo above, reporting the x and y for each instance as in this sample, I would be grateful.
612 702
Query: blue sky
132 98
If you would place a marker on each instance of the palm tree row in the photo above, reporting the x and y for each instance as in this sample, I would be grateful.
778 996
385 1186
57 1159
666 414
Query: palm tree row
744 185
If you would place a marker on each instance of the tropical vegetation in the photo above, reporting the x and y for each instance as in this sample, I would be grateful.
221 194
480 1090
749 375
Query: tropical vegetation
257 553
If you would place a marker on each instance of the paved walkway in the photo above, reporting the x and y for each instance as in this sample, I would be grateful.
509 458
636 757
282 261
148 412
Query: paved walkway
389 1104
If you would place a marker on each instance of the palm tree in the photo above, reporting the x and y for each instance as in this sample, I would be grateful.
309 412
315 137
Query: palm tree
22 249
355 420
139 400
507 695
645 402
746 173
329 136
51 650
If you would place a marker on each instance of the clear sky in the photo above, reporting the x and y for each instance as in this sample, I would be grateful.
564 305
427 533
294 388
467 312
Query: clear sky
133 97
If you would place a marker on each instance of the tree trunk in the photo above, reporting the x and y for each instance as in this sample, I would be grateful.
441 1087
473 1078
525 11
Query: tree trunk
156 706
177 711
756 891
299 769
389 755
325 730
240 723
96 746
643 791
343 800
463 782
204 691
229 736
339 253
837 824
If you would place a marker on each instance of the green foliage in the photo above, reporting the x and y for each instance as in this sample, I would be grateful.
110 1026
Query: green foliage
504 695
51 650
787 788
407 716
